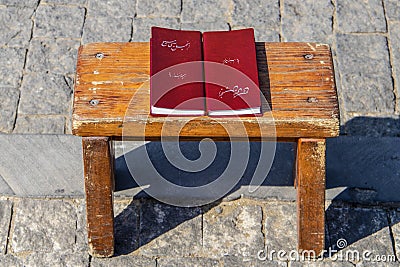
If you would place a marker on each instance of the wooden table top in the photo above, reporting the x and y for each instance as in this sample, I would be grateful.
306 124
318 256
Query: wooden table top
111 95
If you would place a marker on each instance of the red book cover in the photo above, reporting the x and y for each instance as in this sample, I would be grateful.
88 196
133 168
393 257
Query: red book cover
176 88
231 86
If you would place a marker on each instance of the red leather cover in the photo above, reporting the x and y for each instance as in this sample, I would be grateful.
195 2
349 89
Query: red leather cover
168 86
237 88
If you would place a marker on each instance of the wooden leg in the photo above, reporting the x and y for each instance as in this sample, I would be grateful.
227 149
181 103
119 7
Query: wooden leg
310 182
98 162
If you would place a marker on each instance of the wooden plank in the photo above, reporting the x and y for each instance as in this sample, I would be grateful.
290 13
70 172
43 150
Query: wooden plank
310 182
301 93
98 161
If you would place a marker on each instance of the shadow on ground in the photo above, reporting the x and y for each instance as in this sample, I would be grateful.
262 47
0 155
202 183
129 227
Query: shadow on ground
361 171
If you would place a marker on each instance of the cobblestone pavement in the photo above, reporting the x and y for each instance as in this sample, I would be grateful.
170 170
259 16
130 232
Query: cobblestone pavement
51 232
39 41
38 47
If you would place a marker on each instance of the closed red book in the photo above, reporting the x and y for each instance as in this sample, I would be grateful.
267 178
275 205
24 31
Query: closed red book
231 86
176 87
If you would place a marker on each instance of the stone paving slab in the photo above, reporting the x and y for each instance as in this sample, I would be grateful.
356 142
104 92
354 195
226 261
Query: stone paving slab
365 73
359 229
45 93
216 10
8 105
42 226
394 30
187 262
107 29
5 220
58 21
57 259
361 16
123 261
392 8
394 217
111 8
41 125
12 66
233 229
126 227
52 55
42 165
233 233
169 230
308 20
280 226
154 8
141 27
16 26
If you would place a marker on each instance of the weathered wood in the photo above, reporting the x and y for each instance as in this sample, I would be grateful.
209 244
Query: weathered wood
310 181
98 163
296 78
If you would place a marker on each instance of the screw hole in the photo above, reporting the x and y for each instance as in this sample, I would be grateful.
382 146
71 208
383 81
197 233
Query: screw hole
309 56
99 55
94 102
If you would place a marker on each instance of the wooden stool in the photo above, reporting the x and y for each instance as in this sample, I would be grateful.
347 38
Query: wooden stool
297 78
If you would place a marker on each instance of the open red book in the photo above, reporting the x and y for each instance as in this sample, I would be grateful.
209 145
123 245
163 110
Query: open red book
227 80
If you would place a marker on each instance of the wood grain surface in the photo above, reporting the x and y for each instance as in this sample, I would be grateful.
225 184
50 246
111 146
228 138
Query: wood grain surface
297 79
310 182
98 164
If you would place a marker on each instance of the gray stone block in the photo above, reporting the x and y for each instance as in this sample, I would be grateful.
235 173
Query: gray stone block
39 125
246 262
126 227
5 189
206 26
394 39
280 227
394 216
154 8
81 243
52 55
65 2
58 21
233 228
368 93
5 221
45 93
168 230
123 261
372 126
8 108
187 262
325 263
261 34
365 170
206 10
42 165
392 8
111 8
107 29
262 13
57 259
16 26
365 73
11 67
11 261
307 21
19 3
142 27
43 226
361 16
358 229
